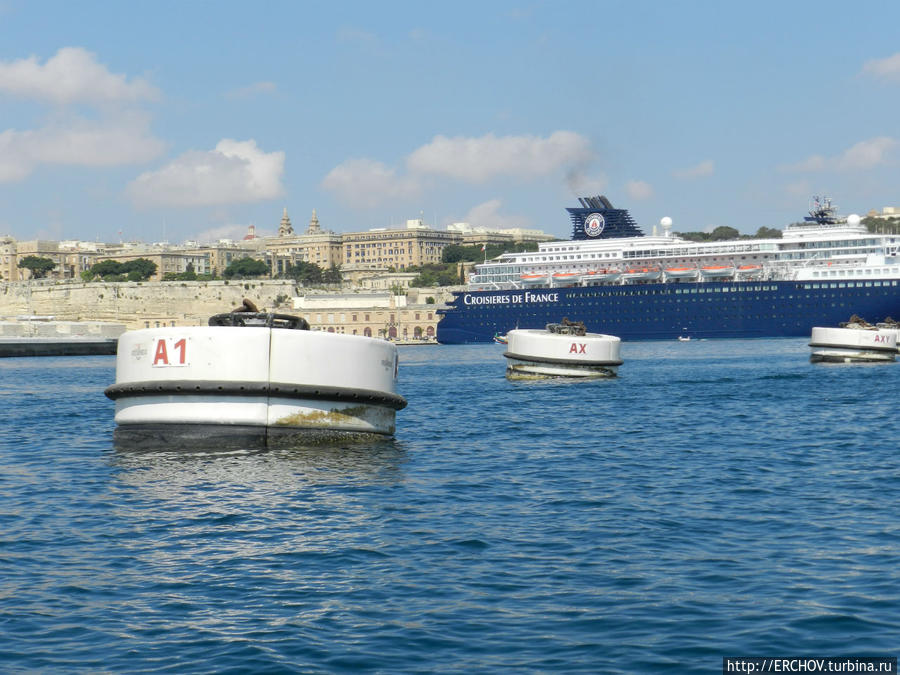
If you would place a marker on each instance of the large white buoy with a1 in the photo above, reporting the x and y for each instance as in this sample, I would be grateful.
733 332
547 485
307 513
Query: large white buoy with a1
254 374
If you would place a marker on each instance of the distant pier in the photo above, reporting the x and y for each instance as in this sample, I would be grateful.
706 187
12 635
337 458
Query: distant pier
42 336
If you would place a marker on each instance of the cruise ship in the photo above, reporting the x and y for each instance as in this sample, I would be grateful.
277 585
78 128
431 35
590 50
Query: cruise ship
660 287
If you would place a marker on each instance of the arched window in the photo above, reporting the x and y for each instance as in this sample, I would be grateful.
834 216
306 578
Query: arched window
367 332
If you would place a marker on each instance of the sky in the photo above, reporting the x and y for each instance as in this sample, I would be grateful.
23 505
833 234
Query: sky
174 121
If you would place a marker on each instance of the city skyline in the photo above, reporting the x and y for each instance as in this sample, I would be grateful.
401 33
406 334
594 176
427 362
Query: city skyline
177 121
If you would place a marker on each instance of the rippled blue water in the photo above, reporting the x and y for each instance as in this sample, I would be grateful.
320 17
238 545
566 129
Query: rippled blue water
717 498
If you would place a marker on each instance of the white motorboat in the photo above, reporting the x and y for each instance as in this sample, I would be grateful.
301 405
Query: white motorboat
853 343
563 349
254 374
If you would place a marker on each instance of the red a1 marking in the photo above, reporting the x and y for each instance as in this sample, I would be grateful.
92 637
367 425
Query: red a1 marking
170 352
577 348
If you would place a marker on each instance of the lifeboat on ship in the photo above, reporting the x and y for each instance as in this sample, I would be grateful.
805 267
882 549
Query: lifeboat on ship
253 375
562 349
534 279
717 271
641 274
601 276
749 271
566 278
682 273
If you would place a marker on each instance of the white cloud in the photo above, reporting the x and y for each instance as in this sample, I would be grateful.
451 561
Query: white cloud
581 183
365 183
477 160
885 69
801 188
71 76
233 232
638 189
235 172
110 142
863 155
251 90
487 215
704 168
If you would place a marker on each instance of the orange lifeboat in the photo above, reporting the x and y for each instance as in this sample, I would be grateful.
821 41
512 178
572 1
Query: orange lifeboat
681 272
717 271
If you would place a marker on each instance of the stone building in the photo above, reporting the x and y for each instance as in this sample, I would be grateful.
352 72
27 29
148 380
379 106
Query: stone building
412 246
219 256
167 261
8 270
317 246
368 314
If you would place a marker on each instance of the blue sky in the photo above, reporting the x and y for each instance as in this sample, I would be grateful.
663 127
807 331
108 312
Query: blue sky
192 120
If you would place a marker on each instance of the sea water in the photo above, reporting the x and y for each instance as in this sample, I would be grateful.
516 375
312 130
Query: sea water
718 498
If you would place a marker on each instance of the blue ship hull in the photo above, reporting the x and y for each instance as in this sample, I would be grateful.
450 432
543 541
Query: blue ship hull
665 311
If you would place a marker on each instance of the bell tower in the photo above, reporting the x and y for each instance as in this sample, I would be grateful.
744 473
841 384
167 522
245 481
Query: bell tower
285 229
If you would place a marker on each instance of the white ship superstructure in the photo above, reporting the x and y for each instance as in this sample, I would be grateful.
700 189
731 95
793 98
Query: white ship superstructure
826 247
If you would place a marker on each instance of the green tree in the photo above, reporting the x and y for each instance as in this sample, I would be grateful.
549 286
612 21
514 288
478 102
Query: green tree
246 267
881 226
435 275
139 269
456 253
724 233
332 275
693 236
767 233
307 272
106 268
39 267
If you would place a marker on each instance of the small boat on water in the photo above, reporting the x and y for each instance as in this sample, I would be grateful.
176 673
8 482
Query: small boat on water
254 374
856 341
500 339
562 349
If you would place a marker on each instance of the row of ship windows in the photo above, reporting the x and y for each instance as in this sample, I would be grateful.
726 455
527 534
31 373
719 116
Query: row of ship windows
741 289
662 319
809 255
830 244
632 308
857 272
663 253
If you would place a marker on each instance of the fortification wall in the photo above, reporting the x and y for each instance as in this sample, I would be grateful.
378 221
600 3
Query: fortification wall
140 304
